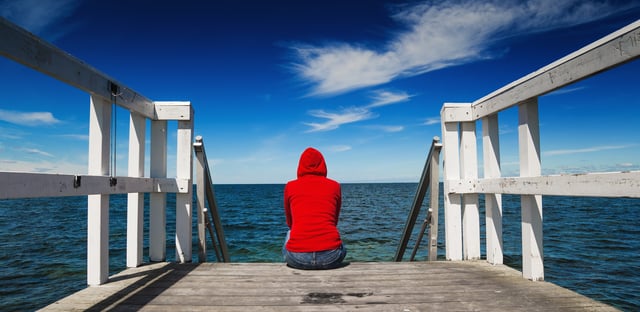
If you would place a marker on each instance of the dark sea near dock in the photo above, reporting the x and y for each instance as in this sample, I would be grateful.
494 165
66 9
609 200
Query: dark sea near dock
591 245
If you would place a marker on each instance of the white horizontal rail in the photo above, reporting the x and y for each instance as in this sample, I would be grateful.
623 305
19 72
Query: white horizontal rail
459 119
32 185
615 49
610 184
25 48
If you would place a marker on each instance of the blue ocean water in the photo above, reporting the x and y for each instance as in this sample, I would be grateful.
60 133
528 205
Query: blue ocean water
590 244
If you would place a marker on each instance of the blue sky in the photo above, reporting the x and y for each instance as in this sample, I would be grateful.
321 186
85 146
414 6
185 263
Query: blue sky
362 81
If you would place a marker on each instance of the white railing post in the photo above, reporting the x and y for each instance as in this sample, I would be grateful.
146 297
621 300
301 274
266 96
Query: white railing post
98 205
493 202
530 166
451 172
158 201
470 212
184 170
135 202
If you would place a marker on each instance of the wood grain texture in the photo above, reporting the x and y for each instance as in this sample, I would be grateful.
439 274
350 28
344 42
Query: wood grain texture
379 286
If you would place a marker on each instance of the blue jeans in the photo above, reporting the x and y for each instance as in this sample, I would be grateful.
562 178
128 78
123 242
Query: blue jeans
317 260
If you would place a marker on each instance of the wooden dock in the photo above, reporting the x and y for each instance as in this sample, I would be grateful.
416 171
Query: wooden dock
364 286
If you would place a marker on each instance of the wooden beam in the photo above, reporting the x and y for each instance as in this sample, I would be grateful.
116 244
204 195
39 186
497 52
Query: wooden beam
452 202
606 184
27 49
615 49
184 201
158 201
493 202
97 205
31 185
470 206
530 205
135 201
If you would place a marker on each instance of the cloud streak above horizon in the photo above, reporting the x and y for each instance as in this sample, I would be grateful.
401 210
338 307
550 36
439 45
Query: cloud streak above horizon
335 120
355 114
586 150
28 118
438 35
382 98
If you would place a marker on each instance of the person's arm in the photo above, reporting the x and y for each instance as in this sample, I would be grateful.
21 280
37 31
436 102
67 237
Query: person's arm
287 208
338 203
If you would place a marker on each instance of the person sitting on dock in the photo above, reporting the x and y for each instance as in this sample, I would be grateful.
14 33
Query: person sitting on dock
312 205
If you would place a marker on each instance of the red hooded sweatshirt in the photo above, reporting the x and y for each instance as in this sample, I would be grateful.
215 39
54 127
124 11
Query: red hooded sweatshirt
312 206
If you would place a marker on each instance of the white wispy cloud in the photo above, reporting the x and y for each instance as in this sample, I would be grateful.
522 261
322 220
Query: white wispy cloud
335 120
382 98
28 118
338 148
585 150
392 128
81 137
438 34
387 128
355 114
432 121
35 151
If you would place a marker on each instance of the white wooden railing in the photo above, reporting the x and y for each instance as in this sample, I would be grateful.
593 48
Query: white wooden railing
462 184
100 180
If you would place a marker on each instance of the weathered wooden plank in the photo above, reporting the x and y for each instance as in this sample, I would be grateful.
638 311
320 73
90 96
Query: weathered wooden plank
531 205
27 49
452 202
470 203
607 184
493 202
389 286
614 49
483 300
135 201
158 201
184 201
98 204
328 308
31 185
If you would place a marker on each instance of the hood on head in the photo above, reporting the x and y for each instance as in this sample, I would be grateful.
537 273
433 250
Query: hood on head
312 162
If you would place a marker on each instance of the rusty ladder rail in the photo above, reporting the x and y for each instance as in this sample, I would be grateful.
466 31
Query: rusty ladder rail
211 221
429 180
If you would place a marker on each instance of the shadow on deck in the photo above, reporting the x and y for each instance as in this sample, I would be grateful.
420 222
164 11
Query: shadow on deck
368 286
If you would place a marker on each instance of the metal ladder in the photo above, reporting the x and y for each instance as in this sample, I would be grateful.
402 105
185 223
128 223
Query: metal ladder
429 181
211 221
